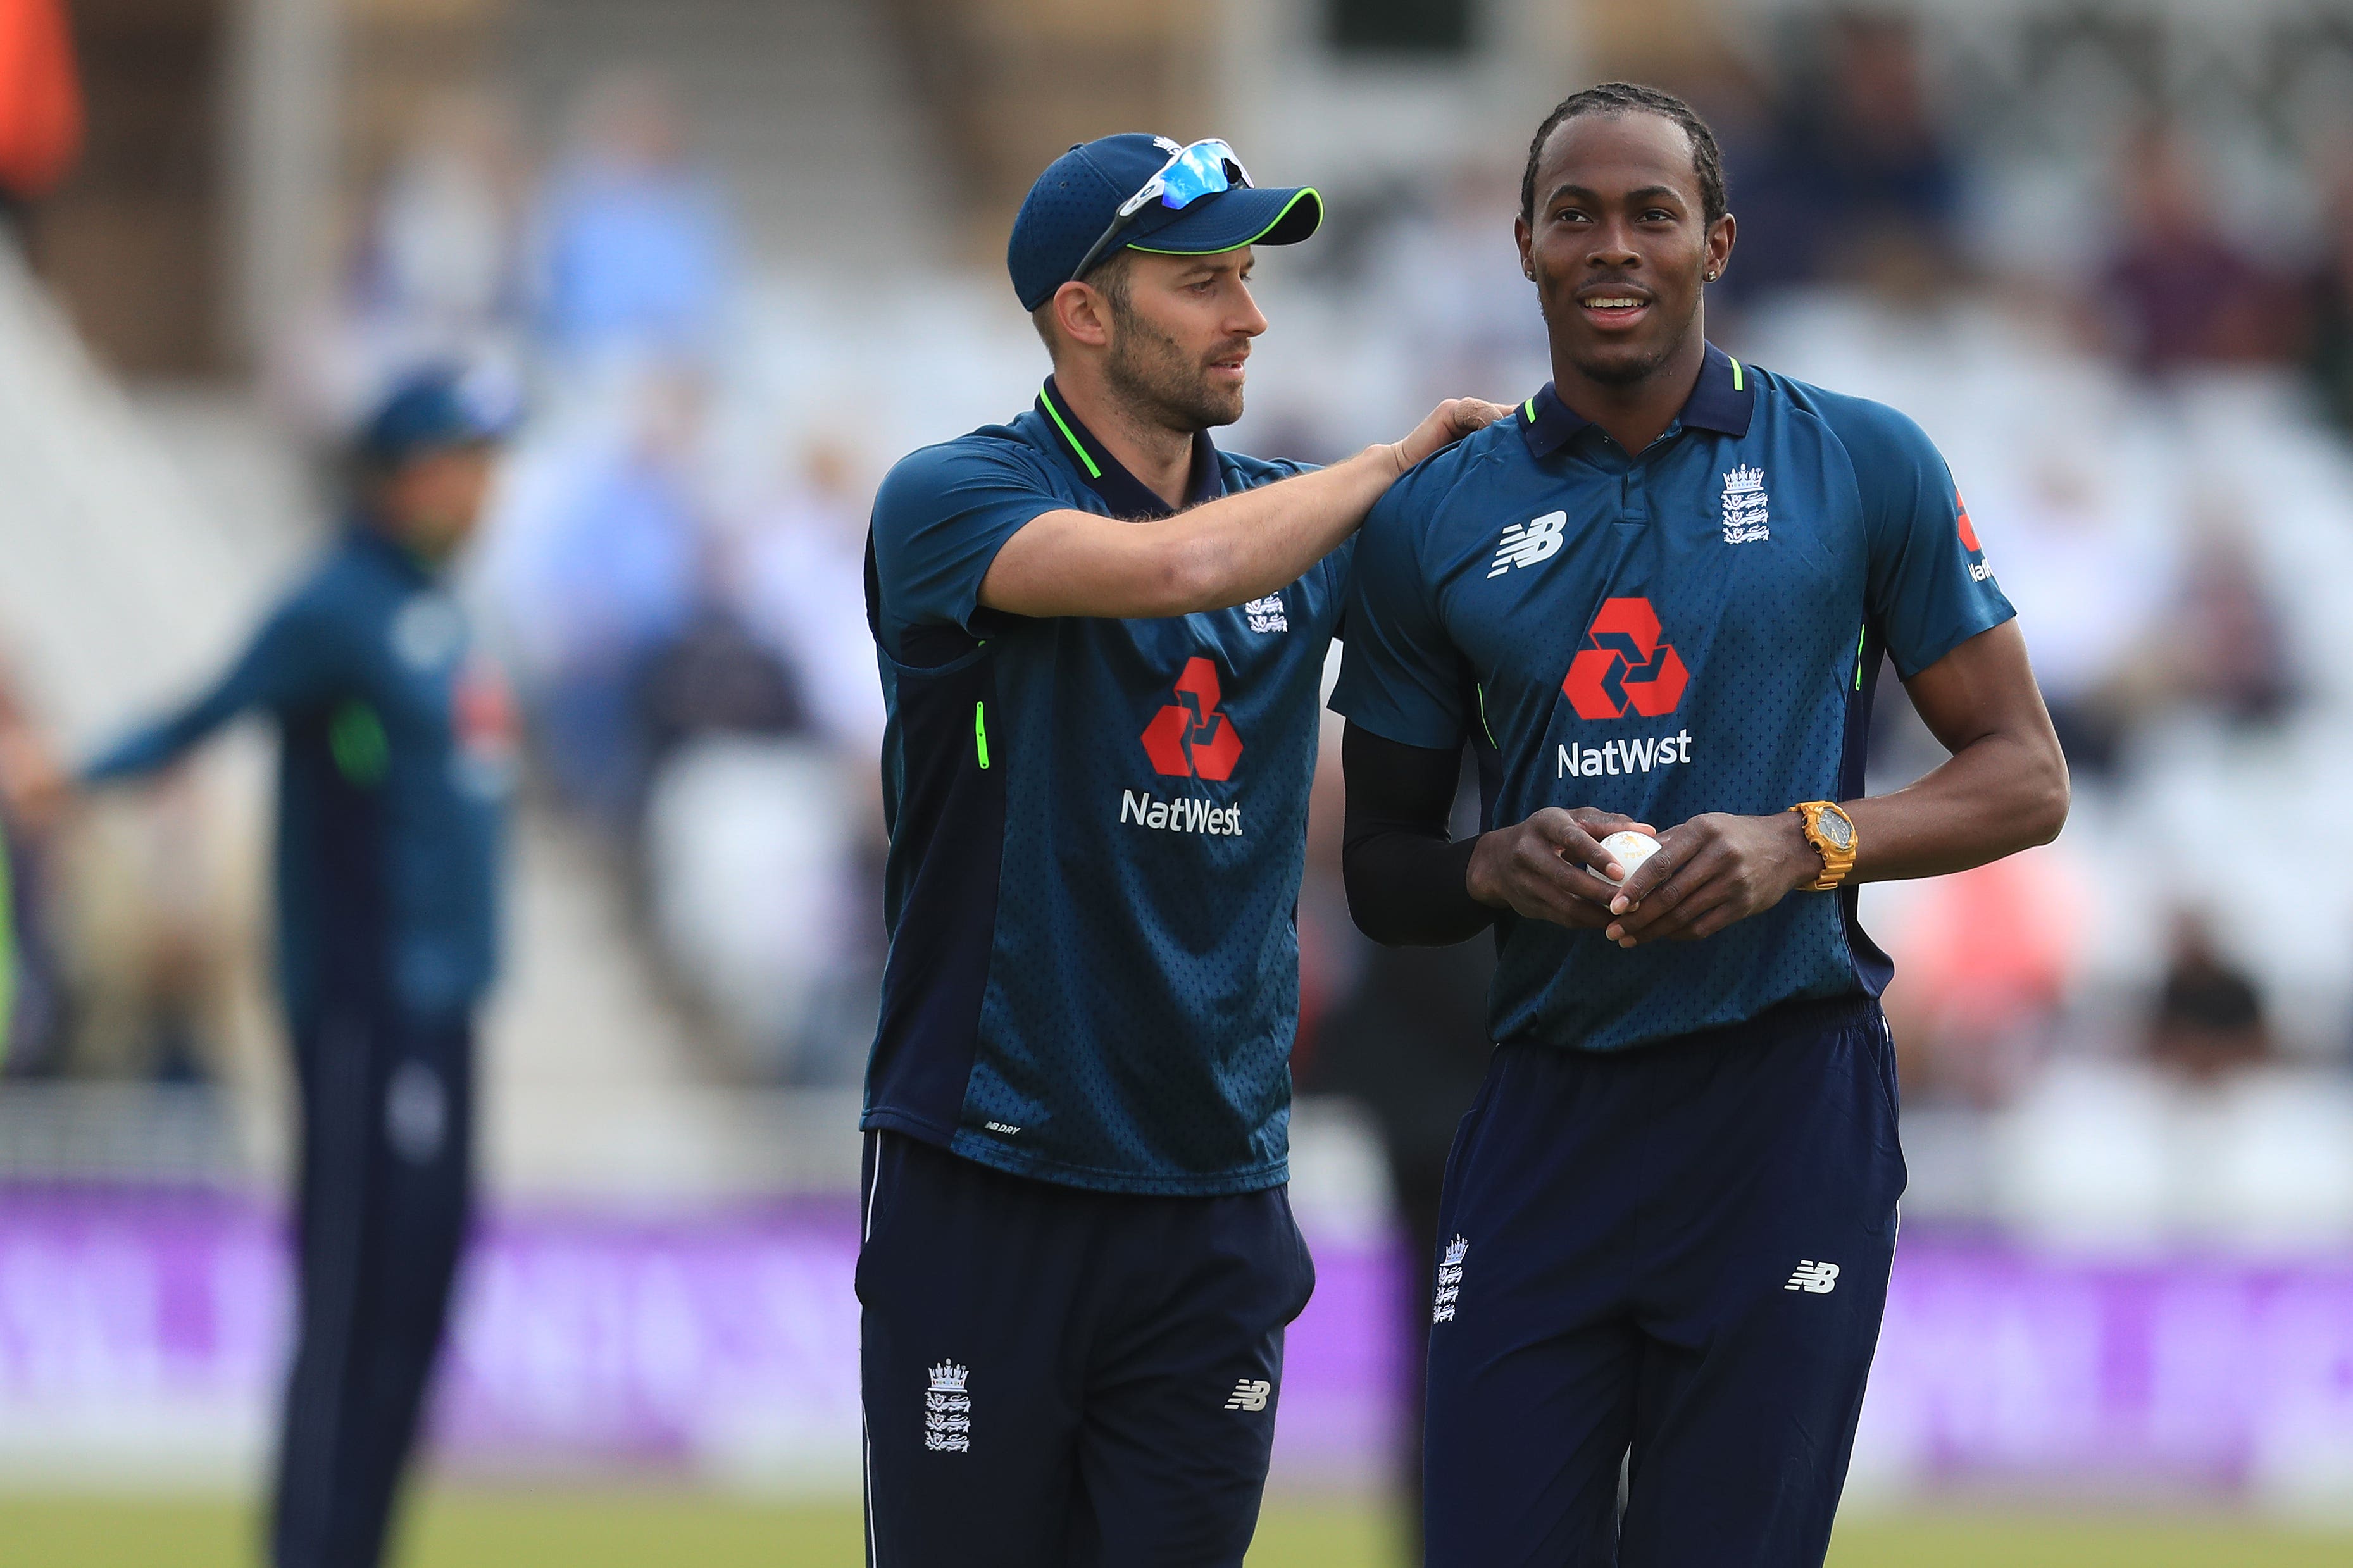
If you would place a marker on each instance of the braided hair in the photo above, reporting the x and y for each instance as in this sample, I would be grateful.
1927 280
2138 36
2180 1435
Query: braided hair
1624 98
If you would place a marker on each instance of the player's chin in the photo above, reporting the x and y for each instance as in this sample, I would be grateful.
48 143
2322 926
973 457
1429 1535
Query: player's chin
1616 361
1217 400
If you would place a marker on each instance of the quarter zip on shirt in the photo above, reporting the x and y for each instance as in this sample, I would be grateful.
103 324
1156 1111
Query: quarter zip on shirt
1634 504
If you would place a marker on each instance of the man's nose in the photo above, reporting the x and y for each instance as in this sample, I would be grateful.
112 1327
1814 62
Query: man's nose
1612 245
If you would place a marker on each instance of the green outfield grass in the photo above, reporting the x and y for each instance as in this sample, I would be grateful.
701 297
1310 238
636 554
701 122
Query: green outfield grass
456 1528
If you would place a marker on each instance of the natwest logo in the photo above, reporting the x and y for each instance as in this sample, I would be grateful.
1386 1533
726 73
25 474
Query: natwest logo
1628 669
1190 739
1980 571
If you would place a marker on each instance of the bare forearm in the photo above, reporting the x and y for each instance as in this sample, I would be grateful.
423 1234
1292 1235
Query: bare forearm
1998 795
1243 546
2003 789
1220 554
1223 553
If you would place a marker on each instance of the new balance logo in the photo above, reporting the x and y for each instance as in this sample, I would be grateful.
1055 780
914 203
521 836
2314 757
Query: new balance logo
1526 544
1449 1282
1814 1278
1249 1394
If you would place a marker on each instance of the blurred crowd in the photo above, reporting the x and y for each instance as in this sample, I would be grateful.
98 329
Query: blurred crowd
674 571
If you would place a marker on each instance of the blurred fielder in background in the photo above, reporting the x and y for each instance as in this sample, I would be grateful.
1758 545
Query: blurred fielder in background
395 763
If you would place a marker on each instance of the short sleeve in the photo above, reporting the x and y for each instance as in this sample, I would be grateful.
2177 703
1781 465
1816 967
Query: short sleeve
1929 589
940 518
1402 677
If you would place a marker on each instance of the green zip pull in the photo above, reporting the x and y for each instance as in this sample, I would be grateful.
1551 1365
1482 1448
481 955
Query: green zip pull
980 732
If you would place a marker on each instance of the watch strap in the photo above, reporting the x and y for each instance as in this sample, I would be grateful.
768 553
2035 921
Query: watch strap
1838 860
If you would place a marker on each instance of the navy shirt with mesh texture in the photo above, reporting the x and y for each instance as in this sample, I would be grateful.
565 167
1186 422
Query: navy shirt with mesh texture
1695 628
1097 831
392 775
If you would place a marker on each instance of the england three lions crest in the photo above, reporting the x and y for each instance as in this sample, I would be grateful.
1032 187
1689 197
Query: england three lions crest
947 1410
1745 517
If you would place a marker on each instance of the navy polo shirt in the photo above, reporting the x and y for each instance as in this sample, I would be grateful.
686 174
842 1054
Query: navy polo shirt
1694 627
397 760
1097 831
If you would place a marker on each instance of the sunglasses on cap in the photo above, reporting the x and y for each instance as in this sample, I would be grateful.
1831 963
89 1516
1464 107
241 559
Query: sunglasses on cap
1203 169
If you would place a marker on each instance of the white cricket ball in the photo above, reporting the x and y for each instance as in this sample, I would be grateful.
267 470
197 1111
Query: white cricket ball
1629 849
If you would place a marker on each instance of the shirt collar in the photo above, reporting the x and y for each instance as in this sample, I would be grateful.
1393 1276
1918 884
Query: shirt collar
1724 400
375 538
1127 496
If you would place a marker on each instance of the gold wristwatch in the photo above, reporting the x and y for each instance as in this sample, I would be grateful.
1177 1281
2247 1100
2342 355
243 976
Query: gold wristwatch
1831 833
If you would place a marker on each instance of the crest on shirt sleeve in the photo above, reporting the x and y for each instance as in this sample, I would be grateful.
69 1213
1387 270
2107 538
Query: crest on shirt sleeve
1746 517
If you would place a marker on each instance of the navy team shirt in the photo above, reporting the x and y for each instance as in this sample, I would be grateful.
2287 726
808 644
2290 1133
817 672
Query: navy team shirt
1097 831
1696 627
395 762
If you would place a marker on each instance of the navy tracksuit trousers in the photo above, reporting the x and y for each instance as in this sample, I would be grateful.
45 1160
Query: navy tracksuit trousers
1057 1378
1659 1287
387 1124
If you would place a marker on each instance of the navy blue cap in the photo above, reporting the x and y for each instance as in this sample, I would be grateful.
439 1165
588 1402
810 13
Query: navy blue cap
445 405
1079 193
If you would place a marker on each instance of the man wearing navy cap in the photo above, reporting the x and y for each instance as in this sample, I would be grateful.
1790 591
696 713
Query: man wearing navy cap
1661 594
1100 641
393 768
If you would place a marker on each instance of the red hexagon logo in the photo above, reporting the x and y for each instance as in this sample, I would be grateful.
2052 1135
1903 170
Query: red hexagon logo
1190 739
1627 670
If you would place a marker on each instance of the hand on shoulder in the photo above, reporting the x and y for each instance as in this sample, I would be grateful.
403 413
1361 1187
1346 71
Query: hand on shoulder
1446 423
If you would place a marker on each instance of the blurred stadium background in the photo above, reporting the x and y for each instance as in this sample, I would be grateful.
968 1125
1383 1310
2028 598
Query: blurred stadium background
746 252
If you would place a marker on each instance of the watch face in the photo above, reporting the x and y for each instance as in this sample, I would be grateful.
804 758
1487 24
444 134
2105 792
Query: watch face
1836 829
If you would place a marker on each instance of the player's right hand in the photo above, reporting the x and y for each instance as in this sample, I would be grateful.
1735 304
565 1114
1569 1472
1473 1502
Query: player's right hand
1448 423
1552 866
39 791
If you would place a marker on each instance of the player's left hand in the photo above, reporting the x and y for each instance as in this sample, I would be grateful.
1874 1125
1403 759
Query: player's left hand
1709 872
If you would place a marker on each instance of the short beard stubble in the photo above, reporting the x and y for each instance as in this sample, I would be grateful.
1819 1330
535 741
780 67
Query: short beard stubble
1155 376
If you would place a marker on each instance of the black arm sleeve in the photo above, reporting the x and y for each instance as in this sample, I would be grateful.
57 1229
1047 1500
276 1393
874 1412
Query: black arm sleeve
1404 874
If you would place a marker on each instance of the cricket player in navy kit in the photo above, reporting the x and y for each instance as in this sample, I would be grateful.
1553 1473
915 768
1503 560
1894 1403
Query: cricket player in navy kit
1100 641
1659 596
393 770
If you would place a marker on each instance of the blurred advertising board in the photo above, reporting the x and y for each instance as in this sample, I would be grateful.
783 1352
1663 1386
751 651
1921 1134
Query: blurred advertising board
140 1337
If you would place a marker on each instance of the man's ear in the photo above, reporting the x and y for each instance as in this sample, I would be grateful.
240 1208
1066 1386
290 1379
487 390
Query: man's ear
1721 235
1082 315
